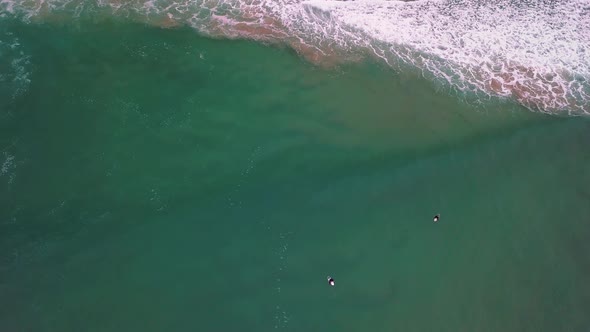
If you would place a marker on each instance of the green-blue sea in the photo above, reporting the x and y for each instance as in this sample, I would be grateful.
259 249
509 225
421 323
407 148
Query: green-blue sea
153 179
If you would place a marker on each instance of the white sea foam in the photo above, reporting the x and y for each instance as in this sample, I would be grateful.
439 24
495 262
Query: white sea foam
535 52
7 165
14 67
8 168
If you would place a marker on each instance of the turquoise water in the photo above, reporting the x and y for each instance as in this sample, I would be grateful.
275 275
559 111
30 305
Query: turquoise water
155 180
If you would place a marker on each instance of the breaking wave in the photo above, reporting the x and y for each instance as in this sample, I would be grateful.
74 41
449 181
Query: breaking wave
534 52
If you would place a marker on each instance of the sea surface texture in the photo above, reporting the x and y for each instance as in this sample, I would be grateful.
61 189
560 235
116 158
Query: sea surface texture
205 165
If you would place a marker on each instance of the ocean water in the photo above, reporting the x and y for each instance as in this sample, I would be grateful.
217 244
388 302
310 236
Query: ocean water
204 166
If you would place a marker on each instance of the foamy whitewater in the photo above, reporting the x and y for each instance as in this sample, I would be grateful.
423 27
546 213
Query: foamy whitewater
14 67
534 52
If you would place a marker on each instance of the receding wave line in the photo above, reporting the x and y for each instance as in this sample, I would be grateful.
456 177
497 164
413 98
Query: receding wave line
534 52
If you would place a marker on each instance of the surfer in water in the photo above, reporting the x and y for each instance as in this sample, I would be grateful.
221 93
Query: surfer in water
436 218
331 281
